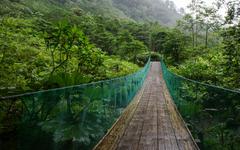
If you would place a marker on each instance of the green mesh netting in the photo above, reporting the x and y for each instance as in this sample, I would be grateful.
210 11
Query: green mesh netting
211 113
67 118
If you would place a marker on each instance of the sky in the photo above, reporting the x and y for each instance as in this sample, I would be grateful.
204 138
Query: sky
181 3
184 3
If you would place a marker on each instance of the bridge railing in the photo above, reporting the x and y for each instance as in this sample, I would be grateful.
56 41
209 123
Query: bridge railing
73 117
212 113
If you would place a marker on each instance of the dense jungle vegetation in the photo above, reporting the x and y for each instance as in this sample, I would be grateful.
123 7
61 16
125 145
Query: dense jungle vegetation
54 43
46 44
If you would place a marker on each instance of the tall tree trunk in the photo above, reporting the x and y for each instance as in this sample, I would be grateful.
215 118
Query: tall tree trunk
53 61
196 34
193 38
206 37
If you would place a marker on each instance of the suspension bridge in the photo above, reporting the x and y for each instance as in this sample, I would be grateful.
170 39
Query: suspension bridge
154 121
150 109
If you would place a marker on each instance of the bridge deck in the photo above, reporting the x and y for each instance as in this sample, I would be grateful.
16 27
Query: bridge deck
151 121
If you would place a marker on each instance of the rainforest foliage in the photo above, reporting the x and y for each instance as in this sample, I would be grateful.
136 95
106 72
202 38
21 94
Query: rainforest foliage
54 43
46 45
211 51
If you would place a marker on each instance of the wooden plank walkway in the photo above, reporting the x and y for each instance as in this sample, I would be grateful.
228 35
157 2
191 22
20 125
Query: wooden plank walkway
150 122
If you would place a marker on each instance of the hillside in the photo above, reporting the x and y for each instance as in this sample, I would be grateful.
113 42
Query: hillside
149 10
138 10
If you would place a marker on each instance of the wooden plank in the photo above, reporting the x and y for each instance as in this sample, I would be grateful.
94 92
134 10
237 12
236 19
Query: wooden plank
149 132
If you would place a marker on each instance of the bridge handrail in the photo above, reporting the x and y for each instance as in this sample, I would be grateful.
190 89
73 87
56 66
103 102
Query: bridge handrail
207 109
73 86
194 81
84 111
